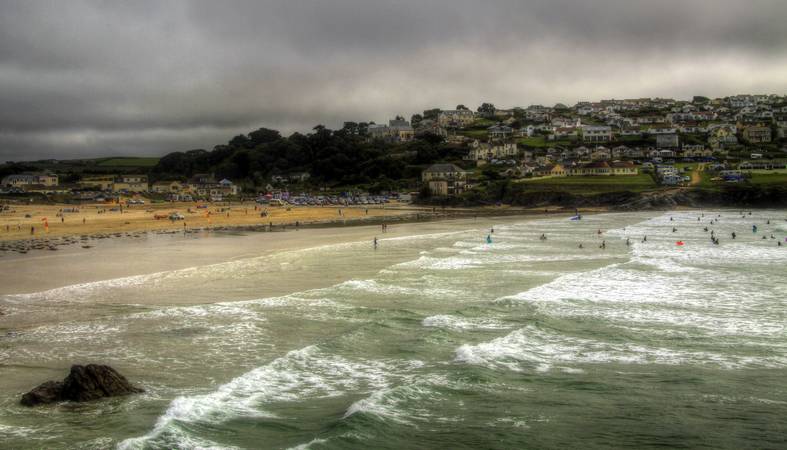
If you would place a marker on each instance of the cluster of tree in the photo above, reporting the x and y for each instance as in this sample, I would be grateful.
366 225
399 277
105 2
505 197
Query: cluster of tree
332 157
11 168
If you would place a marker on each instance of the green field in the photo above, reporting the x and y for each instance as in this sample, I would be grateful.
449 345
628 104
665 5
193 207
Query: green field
593 184
535 141
127 162
475 134
769 178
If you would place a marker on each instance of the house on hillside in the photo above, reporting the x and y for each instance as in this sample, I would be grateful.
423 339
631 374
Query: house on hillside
721 136
486 151
444 180
604 168
206 186
458 118
596 133
166 187
600 154
130 183
99 182
30 179
757 135
500 132
566 132
551 170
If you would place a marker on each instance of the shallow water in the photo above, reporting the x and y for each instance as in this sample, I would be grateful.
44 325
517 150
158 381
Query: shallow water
432 340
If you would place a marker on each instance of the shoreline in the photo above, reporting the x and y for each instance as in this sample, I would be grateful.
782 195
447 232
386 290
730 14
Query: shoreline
400 215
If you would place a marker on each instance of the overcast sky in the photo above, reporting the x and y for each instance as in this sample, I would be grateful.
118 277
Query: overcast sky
95 78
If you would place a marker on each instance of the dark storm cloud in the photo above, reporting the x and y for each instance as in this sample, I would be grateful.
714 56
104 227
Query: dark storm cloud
98 78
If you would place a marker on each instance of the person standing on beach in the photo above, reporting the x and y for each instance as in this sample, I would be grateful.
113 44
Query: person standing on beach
32 230
375 242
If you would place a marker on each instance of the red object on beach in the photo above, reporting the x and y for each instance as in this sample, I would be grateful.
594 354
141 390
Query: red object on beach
679 243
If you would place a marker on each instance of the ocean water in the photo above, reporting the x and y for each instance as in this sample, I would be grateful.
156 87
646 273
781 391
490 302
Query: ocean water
437 340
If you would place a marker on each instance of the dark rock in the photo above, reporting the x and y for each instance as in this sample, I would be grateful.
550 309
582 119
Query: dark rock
49 392
83 383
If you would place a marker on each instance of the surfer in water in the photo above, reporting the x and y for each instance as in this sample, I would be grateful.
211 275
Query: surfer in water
488 238
628 242
375 242
603 245
733 235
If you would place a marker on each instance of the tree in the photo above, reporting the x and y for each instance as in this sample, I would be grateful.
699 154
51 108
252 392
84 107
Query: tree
430 138
487 109
490 173
462 108
432 114
240 140
263 136
415 119
350 128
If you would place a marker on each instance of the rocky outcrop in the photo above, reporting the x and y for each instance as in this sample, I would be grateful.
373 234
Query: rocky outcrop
49 392
82 384
668 199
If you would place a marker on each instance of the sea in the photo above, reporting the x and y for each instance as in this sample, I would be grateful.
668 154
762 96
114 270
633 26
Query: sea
649 335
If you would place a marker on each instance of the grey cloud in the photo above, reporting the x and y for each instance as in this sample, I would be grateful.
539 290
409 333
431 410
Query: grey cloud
85 78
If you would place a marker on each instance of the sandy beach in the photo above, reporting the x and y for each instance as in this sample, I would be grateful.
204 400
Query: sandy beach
33 228
71 220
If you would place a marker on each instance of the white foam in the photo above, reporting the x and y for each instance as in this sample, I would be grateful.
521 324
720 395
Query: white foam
381 288
462 323
539 350
300 374
308 445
